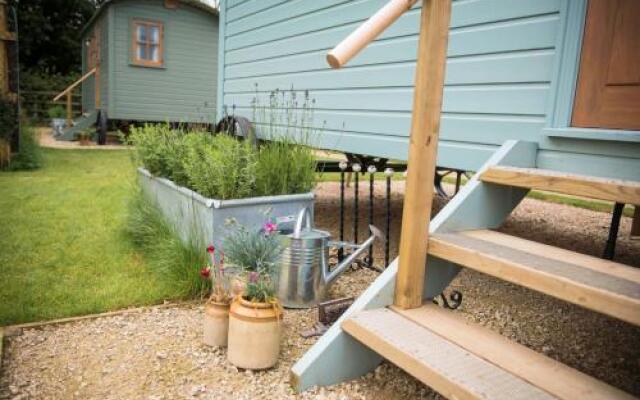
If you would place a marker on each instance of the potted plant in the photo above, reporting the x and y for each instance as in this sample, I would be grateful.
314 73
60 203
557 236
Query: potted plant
255 317
57 116
84 137
216 310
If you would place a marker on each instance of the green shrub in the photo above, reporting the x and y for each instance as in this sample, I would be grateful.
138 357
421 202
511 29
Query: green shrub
30 154
151 143
56 112
285 167
161 246
224 168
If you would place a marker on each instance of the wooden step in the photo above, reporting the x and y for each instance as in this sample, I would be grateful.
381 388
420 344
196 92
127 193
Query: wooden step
600 285
616 190
461 360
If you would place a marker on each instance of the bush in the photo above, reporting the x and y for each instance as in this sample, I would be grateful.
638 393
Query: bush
56 112
163 249
223 167
29 156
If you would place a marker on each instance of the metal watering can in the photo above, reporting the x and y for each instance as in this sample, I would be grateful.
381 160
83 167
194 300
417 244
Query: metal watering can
304 275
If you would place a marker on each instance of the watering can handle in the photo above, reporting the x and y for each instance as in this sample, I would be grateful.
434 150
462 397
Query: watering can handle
304 216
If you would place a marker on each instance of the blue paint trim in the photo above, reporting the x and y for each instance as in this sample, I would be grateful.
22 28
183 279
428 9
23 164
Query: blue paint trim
222 23
611 135
568 50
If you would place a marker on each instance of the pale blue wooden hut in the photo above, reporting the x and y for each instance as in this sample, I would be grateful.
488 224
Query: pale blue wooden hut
148 60
538 94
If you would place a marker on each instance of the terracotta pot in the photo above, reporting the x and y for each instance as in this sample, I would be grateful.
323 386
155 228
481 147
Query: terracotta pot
254 334
216 324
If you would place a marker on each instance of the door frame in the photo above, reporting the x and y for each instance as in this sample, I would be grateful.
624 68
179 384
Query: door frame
564 80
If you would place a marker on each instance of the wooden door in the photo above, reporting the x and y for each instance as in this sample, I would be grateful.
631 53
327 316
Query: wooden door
608 90
94 60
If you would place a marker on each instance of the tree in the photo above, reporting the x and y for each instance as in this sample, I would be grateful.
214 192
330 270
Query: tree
50 30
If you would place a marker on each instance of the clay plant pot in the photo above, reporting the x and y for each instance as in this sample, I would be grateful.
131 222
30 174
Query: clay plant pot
254 334
216 324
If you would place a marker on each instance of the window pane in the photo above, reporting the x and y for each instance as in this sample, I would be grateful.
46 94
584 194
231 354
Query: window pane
155 53
142 33
142 52
154 34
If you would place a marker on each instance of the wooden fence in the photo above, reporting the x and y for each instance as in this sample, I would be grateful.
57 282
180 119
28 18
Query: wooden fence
36 104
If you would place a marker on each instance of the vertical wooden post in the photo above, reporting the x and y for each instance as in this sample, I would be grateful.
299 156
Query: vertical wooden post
96 79
423 146
635 223
69 110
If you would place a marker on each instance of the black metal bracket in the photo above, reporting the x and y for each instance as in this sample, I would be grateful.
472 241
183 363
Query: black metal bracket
455 297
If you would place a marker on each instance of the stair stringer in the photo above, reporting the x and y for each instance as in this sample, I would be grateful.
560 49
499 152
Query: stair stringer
81 123
337 357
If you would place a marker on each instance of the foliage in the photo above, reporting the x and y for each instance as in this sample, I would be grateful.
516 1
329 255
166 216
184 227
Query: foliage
286 162
285 167
29 156
224 169
37 91
50 41
221 166
260 287
56 112
8 119
257 253
253 249
162 247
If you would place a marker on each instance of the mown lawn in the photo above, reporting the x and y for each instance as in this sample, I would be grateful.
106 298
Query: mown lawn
63 251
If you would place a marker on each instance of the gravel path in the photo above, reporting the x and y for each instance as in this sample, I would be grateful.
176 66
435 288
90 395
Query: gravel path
158 354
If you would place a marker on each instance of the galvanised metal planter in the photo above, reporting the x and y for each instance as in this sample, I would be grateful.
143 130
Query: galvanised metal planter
210 219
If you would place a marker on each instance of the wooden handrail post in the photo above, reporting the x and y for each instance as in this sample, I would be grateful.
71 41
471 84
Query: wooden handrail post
423 146
69 110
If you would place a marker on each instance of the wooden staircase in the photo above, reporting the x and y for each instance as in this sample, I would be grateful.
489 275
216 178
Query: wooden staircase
461 360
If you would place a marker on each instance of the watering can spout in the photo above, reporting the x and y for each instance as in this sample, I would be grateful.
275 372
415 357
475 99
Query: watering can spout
330 276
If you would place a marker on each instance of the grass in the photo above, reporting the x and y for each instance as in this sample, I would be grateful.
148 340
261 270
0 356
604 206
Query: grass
63 249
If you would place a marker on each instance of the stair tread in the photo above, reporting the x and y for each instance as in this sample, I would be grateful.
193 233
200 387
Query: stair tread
605 286
446 367
616 190
552 376
80 123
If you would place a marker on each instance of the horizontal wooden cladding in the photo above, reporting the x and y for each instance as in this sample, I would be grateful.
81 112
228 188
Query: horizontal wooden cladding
502 99
627 192
534 33
436 361
553 377
299 17
606 287
592 164
504 68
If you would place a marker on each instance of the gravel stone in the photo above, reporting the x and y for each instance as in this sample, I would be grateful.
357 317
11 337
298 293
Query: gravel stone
158 354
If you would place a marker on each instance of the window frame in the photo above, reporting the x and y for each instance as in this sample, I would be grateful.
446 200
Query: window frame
135 44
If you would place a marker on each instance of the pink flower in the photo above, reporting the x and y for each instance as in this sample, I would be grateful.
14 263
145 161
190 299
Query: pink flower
205 272
210 249
253 277
270 227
